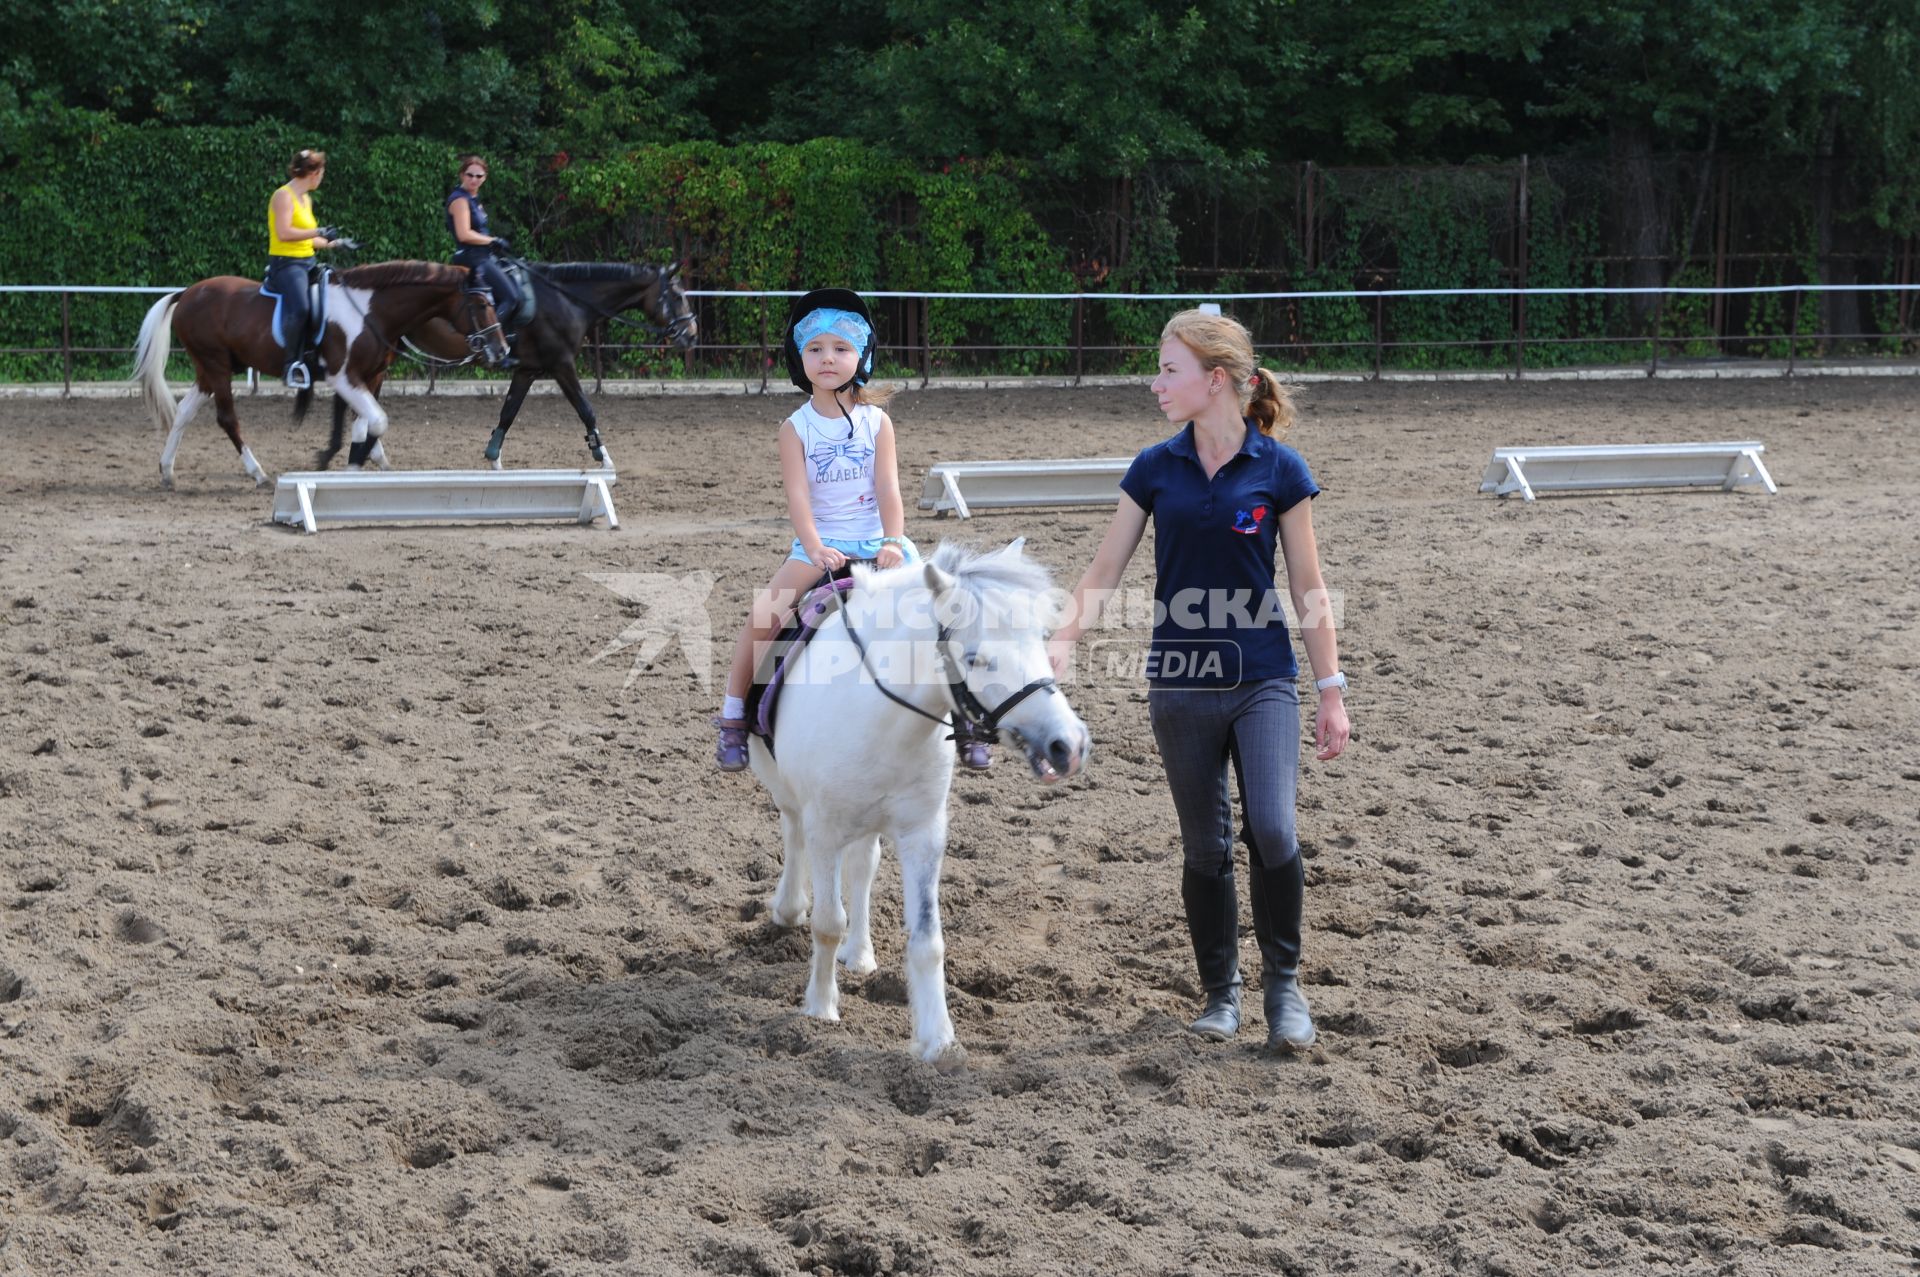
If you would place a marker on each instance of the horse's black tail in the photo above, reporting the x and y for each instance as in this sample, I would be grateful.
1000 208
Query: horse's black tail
302 400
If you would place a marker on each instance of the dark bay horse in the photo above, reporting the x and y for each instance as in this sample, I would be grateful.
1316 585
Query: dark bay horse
569 298
225 324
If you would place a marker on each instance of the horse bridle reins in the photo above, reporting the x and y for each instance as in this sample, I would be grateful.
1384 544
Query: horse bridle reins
476 340
675 326
971 720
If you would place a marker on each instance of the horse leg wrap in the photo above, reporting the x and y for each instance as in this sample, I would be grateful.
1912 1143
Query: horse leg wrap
594 446
357 454
495 443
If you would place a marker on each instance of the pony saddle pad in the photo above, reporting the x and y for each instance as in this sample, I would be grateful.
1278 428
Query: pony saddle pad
763 697
317 277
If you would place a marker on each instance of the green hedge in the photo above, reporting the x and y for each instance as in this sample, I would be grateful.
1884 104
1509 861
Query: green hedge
158 206
115 204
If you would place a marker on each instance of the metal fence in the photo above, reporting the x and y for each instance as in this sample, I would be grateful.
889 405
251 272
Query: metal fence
912 327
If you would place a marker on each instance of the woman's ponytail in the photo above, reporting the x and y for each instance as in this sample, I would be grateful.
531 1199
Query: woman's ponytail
1271 404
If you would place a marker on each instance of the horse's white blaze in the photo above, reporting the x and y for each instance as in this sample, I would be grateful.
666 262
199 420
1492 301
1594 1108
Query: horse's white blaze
835 724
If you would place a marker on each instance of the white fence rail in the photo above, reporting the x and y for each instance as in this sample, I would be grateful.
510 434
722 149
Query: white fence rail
917 353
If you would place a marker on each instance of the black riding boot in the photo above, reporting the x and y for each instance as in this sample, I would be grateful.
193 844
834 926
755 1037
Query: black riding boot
1277 898
1213 920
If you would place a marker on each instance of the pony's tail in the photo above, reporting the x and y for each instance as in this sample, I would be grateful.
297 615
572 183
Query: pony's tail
302 400
150 361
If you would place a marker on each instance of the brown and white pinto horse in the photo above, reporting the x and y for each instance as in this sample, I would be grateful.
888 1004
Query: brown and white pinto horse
225 324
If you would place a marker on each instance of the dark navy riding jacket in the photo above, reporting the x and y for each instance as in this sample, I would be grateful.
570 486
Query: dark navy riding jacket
1219 618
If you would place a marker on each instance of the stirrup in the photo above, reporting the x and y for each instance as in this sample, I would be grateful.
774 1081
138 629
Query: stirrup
297 377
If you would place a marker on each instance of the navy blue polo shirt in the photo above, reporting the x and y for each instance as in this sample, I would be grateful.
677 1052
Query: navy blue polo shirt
1219 618
476 215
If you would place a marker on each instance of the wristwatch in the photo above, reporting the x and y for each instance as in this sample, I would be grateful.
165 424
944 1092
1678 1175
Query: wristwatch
1330 682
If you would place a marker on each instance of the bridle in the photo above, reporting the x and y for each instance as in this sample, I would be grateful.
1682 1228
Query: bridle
673 330
971 720
477 340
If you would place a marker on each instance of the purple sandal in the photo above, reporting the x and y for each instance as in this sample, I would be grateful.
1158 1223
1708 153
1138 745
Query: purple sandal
730 755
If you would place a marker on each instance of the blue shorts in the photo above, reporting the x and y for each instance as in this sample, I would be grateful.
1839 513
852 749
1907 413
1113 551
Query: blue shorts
856 549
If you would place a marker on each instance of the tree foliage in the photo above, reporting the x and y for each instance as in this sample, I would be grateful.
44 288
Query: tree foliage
1031 144
1076 88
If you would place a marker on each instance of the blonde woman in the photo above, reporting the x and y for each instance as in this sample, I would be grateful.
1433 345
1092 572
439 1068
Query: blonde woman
1225 495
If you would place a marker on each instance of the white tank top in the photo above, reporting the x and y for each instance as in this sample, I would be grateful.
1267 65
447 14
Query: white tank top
839 457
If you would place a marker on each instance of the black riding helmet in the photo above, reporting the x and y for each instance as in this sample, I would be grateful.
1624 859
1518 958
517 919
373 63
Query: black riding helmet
830 299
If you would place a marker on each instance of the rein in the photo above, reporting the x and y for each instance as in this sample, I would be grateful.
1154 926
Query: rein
971 720
476 340
674 327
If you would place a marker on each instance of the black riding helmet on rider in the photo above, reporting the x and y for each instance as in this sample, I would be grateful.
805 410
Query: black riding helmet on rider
827 299
974 744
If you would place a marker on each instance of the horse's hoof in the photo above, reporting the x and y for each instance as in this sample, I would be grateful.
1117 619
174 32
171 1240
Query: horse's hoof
166 481
782 917
861 963
496 464
829 1012
948 1057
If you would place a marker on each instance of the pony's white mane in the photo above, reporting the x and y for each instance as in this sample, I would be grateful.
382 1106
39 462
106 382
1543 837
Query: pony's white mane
1002 589
1004 570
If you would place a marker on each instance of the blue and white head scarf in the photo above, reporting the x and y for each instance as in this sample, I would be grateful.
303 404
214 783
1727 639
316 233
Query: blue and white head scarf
843 323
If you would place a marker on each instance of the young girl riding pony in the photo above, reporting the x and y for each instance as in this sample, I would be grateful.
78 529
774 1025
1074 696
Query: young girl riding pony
838 465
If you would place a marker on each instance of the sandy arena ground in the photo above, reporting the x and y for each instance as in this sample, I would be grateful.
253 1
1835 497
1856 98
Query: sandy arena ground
355 919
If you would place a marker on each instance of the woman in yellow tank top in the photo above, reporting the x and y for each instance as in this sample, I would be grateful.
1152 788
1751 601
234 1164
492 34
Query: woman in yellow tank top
292 235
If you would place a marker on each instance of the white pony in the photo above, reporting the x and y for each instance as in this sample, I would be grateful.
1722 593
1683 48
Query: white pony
862 751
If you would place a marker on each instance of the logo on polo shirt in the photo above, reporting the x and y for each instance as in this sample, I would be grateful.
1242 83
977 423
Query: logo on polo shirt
1247 523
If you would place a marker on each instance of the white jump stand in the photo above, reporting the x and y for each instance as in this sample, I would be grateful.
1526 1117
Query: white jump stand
308 499
1725 465
998 484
